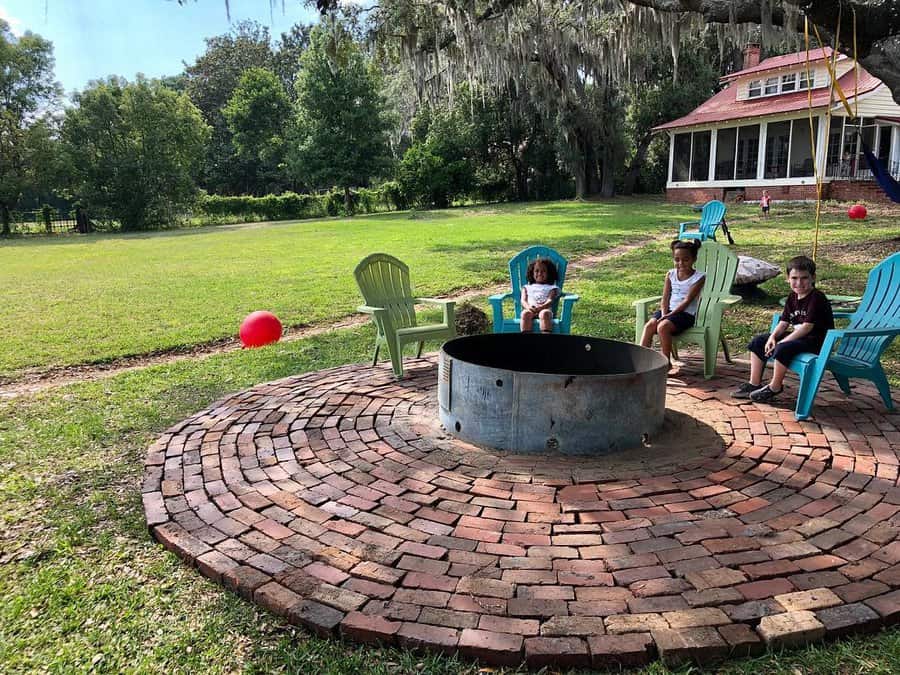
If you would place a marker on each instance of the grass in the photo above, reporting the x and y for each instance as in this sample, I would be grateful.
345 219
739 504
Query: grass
82 586
93 298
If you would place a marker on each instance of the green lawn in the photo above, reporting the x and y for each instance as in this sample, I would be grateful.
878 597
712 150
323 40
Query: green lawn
92 298
82 585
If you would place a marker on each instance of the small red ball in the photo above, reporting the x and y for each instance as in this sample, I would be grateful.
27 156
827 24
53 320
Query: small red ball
857 212
260 328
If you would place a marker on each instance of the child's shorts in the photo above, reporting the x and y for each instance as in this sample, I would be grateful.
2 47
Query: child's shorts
784 351
681 320
765 209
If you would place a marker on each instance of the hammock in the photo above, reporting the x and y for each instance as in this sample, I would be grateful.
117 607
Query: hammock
887 182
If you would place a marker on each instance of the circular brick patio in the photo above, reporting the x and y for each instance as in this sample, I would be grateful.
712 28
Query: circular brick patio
335 500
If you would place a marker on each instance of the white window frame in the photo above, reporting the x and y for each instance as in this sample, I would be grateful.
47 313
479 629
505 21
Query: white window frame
788 80
773 86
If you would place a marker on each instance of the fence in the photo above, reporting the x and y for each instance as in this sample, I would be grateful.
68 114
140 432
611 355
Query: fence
37 222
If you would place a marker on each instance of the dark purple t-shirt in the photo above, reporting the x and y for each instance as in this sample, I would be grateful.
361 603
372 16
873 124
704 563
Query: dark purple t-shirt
814 309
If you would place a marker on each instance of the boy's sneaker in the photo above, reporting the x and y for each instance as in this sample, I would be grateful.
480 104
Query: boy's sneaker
744 390
764 394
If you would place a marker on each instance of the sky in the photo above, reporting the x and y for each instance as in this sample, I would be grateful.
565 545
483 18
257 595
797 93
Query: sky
95 38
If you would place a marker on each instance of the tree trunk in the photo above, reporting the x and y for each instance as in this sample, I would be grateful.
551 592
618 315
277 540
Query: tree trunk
634 169
348 201
5 218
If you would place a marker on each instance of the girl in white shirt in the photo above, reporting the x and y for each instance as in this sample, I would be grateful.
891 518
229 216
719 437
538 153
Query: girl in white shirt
681 295
538 295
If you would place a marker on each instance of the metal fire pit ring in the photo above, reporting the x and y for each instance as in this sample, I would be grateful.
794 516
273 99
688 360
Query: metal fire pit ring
530 393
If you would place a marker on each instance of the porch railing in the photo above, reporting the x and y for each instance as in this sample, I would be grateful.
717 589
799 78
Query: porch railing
851 170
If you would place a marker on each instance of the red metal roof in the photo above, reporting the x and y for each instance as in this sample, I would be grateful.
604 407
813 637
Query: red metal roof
724 105
784 61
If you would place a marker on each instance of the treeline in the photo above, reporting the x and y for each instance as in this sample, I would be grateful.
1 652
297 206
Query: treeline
317 122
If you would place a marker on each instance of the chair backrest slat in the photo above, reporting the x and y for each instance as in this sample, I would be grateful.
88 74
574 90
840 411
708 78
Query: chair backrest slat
384 281
720 266
879 308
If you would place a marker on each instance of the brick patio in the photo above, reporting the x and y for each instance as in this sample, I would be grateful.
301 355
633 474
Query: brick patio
334 499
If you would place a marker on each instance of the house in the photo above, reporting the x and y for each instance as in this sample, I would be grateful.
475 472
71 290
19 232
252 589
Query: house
760 130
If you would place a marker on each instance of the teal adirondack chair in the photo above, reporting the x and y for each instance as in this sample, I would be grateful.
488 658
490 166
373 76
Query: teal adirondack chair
385 286
720 266
855 351
518 265
711 217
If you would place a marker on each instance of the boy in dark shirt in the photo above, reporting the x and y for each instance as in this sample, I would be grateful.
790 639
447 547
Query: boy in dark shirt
808 313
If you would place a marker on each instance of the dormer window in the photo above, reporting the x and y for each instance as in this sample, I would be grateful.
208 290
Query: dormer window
807 83
785 84
788 82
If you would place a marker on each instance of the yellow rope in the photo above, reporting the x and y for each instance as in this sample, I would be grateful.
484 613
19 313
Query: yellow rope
812 139
856 69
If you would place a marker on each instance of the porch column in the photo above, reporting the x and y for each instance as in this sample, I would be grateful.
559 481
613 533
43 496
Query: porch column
895 146
761 151
671 154
821 147
711 171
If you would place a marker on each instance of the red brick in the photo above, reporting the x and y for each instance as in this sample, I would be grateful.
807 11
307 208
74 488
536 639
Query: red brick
620 651
368 628
757 590
420 636
556 652
499 649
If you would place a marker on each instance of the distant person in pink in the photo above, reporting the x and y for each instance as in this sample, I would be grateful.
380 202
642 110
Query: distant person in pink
765 202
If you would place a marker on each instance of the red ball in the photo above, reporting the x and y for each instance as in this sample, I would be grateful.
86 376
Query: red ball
260 328
857 212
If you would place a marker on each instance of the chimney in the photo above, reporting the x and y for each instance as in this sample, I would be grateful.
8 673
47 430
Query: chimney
751 56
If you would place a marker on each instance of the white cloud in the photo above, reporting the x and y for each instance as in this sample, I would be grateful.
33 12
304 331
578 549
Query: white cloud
15 25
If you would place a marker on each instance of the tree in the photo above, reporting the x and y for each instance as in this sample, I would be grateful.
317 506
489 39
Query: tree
257 114
659 98
210 83
340 128
439 165
134 151
26 89
876 40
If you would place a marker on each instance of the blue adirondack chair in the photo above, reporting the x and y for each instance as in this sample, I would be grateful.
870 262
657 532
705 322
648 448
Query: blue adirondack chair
711 217
855 351
562 308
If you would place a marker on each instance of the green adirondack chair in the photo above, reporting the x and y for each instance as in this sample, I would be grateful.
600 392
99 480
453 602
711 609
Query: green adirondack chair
855 351
720 266
385 286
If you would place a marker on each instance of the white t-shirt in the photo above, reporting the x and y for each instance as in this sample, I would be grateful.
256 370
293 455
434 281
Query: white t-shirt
538 294
681 289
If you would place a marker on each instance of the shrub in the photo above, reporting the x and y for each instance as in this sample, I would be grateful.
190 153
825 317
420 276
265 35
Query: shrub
471 320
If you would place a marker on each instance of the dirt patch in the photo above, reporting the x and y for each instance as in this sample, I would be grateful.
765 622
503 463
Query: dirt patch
863 252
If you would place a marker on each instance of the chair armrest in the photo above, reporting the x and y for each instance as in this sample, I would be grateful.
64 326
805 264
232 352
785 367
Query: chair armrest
368 309
569 298
730 300
861 332
500 297
683 226
433 301
646 301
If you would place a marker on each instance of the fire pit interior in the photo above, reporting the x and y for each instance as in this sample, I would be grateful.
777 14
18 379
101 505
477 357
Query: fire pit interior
560 393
